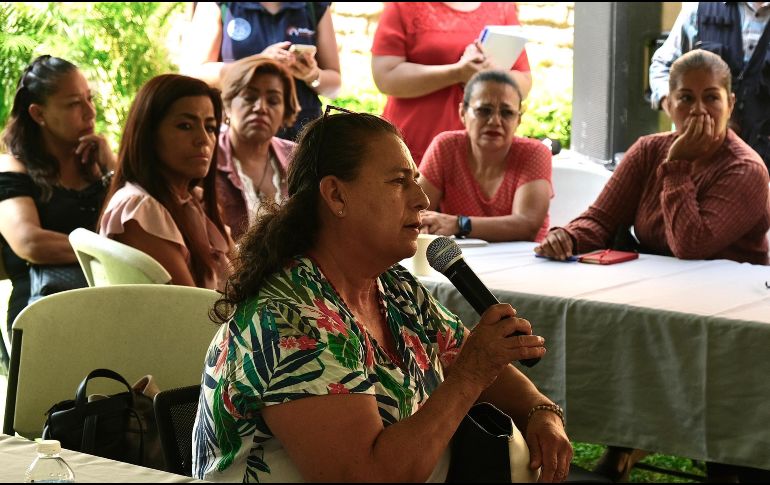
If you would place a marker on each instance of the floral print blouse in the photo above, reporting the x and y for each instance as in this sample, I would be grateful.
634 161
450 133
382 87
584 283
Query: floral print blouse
297 339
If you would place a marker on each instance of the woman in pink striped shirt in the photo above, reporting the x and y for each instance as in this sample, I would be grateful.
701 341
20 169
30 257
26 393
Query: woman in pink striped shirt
699 192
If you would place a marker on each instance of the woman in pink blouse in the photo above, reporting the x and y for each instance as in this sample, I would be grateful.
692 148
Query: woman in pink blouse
163 196
487 182
697 193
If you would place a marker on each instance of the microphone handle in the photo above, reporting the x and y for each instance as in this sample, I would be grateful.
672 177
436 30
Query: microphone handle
477 294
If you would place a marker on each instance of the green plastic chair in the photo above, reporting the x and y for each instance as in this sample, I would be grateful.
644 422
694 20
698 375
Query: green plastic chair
108 262
134 330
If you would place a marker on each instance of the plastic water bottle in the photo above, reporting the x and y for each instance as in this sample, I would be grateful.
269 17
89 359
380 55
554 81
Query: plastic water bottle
49 467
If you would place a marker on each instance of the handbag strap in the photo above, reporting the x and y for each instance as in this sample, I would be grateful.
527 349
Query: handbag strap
81 398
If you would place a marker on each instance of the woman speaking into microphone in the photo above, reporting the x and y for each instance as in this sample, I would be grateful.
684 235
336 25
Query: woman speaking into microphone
331 358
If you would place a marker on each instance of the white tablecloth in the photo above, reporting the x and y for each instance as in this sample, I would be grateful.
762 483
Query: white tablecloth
16 454
657 353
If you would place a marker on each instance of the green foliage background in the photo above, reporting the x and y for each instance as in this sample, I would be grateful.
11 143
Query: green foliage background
548 114
120 45
117 45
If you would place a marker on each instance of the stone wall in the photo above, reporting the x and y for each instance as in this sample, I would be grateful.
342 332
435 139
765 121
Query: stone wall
549 26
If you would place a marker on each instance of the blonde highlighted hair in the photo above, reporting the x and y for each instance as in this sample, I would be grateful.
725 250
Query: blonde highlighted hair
240 73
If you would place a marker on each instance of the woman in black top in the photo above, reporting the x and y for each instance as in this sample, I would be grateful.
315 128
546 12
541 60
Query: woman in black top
51 176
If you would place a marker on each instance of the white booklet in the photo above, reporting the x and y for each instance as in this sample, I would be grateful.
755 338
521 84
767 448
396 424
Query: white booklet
503 44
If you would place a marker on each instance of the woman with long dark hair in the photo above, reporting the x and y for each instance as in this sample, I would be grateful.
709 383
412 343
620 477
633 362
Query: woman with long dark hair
163 197
51 179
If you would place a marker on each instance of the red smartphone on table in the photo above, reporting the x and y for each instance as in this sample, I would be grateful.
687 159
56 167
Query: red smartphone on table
607 256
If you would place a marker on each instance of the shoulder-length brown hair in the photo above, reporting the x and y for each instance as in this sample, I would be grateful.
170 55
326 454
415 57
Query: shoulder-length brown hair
239 74
139 164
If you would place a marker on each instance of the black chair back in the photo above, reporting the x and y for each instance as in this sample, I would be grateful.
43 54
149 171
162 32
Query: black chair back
175 412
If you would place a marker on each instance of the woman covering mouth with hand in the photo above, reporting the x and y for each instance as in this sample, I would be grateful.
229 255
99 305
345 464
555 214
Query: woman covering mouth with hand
699 192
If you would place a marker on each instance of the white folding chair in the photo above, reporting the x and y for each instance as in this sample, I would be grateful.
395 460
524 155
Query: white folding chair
109 262
576 184
134 330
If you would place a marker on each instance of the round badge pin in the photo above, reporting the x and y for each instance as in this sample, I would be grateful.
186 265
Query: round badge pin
238 29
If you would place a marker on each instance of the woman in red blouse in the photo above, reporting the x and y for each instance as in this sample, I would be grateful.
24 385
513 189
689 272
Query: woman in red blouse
423 52
488 183
697 193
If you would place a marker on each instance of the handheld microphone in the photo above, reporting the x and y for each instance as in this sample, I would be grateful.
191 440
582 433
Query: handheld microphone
444 256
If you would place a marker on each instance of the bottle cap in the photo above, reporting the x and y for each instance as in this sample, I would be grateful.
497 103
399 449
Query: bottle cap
49 447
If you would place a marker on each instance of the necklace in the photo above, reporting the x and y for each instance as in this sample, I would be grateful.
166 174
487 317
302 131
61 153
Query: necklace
394 358
258 186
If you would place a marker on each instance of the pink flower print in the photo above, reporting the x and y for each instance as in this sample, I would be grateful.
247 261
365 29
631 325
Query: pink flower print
420 355
288 343
337 388
222 352
329 319
447 347
228 403
306 343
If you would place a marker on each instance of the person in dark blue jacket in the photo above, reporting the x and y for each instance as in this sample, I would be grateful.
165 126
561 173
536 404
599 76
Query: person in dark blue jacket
738 33
297 34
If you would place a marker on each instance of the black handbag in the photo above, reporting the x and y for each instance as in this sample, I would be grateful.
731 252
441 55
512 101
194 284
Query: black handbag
488 448
48 279
119 427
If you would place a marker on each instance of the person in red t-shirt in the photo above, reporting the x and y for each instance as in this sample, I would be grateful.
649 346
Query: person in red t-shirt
422 54
487 182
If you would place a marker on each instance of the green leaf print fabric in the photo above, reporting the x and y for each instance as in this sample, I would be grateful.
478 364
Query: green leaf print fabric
296 339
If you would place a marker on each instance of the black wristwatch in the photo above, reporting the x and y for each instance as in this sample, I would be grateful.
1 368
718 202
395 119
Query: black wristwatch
463 226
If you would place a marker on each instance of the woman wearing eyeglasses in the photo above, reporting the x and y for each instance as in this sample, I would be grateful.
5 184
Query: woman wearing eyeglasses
333 363
486 182
259 98
422 55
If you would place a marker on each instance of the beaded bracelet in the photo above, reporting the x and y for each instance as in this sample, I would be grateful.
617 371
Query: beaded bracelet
554 408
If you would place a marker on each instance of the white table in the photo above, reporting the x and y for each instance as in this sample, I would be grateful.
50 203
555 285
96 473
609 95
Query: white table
16 454
657 353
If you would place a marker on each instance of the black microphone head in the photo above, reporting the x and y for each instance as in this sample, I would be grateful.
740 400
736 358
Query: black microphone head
442 252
